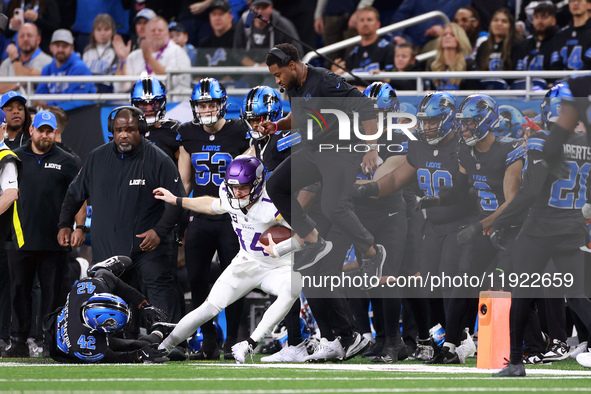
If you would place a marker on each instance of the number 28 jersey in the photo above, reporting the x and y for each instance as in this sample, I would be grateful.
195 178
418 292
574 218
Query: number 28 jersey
211 153
261 216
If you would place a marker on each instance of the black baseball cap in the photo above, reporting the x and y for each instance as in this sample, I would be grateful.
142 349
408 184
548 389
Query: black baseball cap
221 4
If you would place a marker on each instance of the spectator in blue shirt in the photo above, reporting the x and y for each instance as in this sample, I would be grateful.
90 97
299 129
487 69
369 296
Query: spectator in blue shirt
65 62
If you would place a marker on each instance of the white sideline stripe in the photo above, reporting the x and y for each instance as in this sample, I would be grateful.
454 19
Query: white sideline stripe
396 368
409 368
353 390
393 378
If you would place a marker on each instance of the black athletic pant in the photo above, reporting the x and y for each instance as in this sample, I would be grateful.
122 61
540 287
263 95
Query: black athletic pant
532 254
205 237
337 171
5 304
23 265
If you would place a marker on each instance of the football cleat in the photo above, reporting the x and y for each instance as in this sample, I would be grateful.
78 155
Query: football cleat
289 354
163 328
444 357
559 351
584 359
354 345
424 352
581 347
311 253
326 351
16 348
533 359
511 370
388 355
242 350
467 348
374 349
372 267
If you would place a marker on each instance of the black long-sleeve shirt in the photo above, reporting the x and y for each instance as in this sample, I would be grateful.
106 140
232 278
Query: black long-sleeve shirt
120 188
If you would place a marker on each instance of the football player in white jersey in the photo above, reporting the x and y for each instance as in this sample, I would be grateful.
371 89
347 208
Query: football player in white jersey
268 268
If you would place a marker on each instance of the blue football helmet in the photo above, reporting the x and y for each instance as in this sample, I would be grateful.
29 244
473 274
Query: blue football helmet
440 107
510 122
550 110
105 312
383 95
262 103
149 95
478 113
209 89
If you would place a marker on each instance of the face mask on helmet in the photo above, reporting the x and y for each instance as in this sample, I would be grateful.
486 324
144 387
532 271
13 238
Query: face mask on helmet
149 95
477 116
154 109
261 104
244 181
436 116
105 312
208 90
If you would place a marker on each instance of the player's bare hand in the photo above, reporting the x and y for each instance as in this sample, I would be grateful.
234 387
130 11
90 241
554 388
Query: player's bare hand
150 242
63 236
267 128
164 195
370 162
268 248
77 237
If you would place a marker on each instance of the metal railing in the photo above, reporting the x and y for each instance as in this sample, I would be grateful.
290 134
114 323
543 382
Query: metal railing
386 29
419 76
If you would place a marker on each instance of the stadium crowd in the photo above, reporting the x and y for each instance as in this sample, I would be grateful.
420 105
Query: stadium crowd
472 188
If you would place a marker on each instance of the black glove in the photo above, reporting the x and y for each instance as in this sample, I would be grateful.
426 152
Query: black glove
364 190
151 354
497 236
427 202
153 314
470 233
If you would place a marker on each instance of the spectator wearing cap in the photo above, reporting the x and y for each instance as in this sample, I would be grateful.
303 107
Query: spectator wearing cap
46 171
18 119
8 194
123 49
65 62
179 36
215 50
158 54
255 41
25 60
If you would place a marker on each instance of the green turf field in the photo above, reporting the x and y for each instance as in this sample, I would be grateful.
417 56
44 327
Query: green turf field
355 376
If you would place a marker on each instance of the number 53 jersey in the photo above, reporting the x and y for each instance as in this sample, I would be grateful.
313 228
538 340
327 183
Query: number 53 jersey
211 153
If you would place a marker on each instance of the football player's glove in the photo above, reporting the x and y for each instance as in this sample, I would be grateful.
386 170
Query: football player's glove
153 314
151 354
497 236
364 190
427 202
115 264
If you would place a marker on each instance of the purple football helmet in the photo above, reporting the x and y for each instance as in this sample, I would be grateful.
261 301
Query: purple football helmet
245 170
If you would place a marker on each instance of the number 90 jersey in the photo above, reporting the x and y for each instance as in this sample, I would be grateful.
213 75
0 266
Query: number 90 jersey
436 167
211 153
261 216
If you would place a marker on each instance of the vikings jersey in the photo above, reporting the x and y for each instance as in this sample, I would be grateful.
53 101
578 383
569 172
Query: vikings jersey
378 56
486 170
572 48
436 167
166 137
273 150
536 55
249 226
554 202
211 153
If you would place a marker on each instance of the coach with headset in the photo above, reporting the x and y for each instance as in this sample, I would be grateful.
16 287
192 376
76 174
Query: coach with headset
118 178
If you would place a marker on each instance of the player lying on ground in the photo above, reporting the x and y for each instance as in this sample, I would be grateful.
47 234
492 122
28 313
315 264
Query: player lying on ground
96 307
268 268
